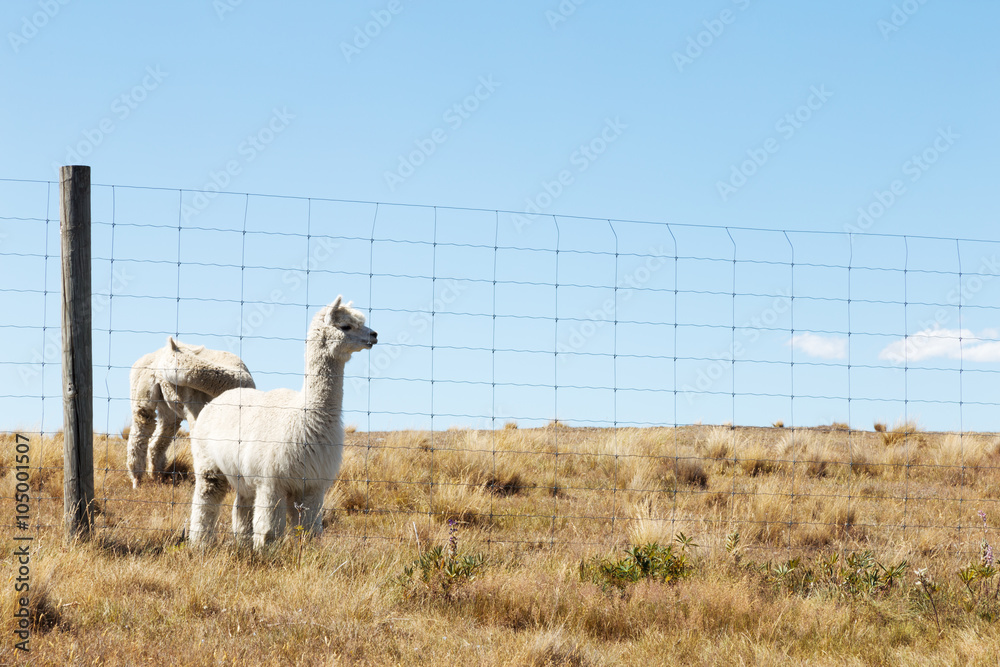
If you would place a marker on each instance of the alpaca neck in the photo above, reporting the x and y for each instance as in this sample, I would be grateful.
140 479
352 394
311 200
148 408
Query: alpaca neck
323 393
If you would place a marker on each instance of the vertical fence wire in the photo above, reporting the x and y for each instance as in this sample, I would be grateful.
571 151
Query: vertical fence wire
44 344
851 436
674 509
555 389
174 501
791 386
433 479
734 451
493 368
906 386
614 400
961 426
107 375
368 379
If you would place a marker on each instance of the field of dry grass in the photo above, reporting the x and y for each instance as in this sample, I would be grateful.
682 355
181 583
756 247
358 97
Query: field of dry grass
796 535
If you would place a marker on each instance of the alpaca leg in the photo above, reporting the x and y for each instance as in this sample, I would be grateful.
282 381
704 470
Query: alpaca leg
143 424
312 515
209 490
243 515
281 514
166 428
267 503
295 504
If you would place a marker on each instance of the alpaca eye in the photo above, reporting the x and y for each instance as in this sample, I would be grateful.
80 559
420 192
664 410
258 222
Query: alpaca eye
344 327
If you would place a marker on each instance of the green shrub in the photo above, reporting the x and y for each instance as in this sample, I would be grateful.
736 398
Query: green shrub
438 572
647 561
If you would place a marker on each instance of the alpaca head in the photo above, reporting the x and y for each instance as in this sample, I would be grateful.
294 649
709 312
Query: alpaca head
179 359
340 331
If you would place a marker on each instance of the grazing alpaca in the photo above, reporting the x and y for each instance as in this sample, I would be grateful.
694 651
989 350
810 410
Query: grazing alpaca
280 446
168 386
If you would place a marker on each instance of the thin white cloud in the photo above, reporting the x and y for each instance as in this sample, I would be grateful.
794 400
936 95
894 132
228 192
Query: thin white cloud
926 344
824 347
983 351
943 343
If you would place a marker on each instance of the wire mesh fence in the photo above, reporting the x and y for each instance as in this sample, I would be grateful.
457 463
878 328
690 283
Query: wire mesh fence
542 379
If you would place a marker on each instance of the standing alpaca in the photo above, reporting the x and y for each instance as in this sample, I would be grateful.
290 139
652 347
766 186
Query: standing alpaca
278 446
168 386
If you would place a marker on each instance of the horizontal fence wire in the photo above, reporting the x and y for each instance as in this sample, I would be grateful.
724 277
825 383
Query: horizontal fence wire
540 379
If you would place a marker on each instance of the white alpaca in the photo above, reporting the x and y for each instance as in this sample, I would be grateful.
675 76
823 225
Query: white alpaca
168 386
277 446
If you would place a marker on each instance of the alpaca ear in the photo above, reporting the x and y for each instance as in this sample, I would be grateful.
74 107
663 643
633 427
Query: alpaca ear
333 310
172 344
197 350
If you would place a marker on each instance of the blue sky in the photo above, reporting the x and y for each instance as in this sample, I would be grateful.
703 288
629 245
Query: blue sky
850 125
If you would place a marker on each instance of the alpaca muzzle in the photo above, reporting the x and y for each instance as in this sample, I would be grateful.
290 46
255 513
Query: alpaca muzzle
372 339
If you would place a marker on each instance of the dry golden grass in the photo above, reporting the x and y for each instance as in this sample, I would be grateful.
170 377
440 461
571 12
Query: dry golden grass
761 456
901 433
536 502
718 443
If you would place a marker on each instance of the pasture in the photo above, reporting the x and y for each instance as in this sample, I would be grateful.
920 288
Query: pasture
820 545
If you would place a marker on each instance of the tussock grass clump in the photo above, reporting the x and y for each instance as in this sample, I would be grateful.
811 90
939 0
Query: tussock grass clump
719 443
757 456
904 432
466 504
766 517
384 473
651 520
44 612
348 497
648 463
817 452
655 473
691 471
963 450
556 647
864 463
819 522
495 462
45 457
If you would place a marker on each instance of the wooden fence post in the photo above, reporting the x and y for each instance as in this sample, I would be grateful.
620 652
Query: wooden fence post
77 356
